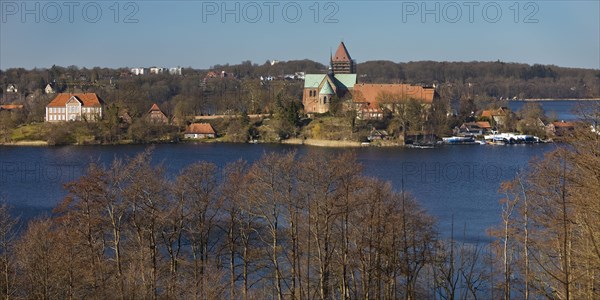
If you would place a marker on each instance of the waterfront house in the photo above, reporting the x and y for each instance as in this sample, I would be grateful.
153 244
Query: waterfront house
377 135
155 115
75 107
560 128
200 131
497 117
472 129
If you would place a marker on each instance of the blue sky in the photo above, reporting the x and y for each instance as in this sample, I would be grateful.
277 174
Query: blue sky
199 34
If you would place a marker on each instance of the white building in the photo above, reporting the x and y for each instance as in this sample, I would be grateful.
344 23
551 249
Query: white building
49 89
139 71
156 70
175 71
75 107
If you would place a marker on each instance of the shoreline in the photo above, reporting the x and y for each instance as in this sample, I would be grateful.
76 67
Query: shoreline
26 144
293 141
323 143
553 99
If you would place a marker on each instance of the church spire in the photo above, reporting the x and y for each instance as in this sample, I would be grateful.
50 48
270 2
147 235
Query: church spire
341 61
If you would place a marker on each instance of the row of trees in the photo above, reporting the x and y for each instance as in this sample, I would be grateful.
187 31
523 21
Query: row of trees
548 241
283 227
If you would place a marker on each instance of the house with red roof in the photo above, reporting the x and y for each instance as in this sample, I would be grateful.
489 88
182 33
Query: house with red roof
200 131
155 115
560 128
496 116
75 107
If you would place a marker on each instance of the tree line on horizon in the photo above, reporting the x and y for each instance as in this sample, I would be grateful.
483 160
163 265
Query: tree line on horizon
298 227
464 89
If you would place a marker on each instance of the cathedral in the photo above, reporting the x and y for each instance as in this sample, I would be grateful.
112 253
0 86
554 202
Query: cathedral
369 100
320 89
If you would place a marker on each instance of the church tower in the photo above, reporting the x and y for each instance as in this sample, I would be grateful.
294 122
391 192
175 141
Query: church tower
341 62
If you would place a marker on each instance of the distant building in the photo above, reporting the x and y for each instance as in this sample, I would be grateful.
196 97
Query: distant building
49 89
473 129
75 107
561 128
175 71
496 116
12 88
274 62
155 115
139 71
211 74
200 131
157 70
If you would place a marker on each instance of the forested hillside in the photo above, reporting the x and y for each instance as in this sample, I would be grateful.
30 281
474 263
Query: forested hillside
201 92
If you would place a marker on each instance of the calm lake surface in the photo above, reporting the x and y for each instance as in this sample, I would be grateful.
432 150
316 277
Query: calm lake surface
451 182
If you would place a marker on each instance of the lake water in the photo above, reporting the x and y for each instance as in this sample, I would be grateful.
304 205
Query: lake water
451 182
567 110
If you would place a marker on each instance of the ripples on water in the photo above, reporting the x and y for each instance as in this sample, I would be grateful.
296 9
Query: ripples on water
451 182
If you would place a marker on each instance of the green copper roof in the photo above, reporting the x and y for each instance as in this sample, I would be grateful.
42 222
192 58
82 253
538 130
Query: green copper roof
347 80
326 90
313 80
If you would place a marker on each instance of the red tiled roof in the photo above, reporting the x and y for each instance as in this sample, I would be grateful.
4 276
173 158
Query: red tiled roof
493 112
200 128
341 54
563 124
154 108
86 99
484 125
372 92
11 106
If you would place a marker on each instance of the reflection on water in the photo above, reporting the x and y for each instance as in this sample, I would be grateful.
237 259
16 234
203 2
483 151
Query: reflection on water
459 182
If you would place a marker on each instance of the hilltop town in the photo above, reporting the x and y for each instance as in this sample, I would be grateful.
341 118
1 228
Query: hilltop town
345 103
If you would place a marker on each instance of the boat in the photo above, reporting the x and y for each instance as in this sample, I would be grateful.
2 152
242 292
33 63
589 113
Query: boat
511 138
421 146
460 140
